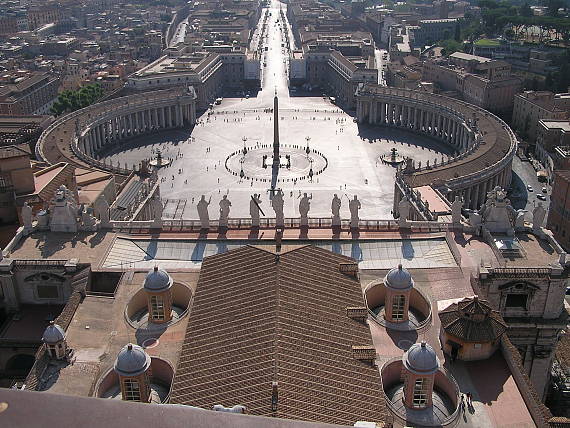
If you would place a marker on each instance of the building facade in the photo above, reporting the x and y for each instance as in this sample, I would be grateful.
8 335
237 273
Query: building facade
531 106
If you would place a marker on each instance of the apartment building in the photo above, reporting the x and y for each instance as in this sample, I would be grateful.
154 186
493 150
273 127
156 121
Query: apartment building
24 93
531 106
481 81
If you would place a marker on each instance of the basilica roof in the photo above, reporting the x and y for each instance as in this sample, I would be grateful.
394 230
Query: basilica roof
259 317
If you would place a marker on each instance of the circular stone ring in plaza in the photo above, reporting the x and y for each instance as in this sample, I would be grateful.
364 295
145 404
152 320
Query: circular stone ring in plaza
256 163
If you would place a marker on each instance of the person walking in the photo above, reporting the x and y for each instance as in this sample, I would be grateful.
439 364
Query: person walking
463 403
469 399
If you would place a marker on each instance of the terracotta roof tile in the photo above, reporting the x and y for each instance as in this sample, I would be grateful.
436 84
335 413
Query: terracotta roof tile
473 320
260 318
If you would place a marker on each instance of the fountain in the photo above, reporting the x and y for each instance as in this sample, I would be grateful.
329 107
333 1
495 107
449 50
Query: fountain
159 161
393 158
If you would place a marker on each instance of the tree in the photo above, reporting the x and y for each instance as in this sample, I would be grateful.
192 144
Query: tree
457 35
525 10
553 6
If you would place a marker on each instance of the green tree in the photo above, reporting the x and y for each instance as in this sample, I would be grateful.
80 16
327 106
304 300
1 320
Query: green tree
525 10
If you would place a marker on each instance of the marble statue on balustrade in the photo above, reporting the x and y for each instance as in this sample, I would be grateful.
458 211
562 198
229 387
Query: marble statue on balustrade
538 215
497 213
520 218
335 208
404 208
64 212
202 208
27 218
255 209
304 207
354 205
88 220
102 211
156 211
225 205
277 203
456 207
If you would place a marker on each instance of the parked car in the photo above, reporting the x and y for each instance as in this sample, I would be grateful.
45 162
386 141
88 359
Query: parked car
529 188
544 190
541 197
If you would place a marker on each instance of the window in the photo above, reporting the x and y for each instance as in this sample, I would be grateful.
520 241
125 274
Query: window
398 302
132 390
516 301
157 308
47 291
420 392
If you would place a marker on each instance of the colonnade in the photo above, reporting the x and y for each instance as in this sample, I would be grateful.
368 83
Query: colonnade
484 144
420 118
117 125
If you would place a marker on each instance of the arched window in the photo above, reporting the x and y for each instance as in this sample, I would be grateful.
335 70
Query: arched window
157 308
398 303
132 390
420 392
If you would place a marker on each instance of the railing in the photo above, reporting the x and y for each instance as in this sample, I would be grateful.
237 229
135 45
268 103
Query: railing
178 225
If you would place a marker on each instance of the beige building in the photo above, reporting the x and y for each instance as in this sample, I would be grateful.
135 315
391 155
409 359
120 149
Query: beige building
551 134
481 81
531 106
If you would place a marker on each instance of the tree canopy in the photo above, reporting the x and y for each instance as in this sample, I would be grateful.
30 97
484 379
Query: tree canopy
69 101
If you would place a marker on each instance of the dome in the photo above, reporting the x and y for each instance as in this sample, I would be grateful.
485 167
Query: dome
132 361
399 279
157 280
421 359
53 334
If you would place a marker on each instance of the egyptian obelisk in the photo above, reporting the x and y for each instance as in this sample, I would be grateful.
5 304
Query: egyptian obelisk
275 130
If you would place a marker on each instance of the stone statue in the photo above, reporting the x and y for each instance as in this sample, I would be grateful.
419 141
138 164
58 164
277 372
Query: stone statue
335 208
225 205
498 215
254 209
538 217
64 212
354 205
156 211
202 208
102 210
88 220
304 207
27 218
519 219
277 205
404 210
456 206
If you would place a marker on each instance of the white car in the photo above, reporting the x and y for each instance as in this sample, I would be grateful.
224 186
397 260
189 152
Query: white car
529 188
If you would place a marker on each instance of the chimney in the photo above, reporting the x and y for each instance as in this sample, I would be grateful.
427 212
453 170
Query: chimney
274 396
358 313
350 269
364 353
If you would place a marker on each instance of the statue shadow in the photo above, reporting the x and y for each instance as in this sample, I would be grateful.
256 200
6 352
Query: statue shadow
253 233
97 238
304 232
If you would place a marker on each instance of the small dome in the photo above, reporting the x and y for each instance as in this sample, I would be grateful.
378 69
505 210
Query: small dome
53 334
421 359
399 279
132 361
157 280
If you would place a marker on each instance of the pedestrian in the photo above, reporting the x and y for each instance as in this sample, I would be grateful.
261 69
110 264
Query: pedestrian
469 399
463 403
